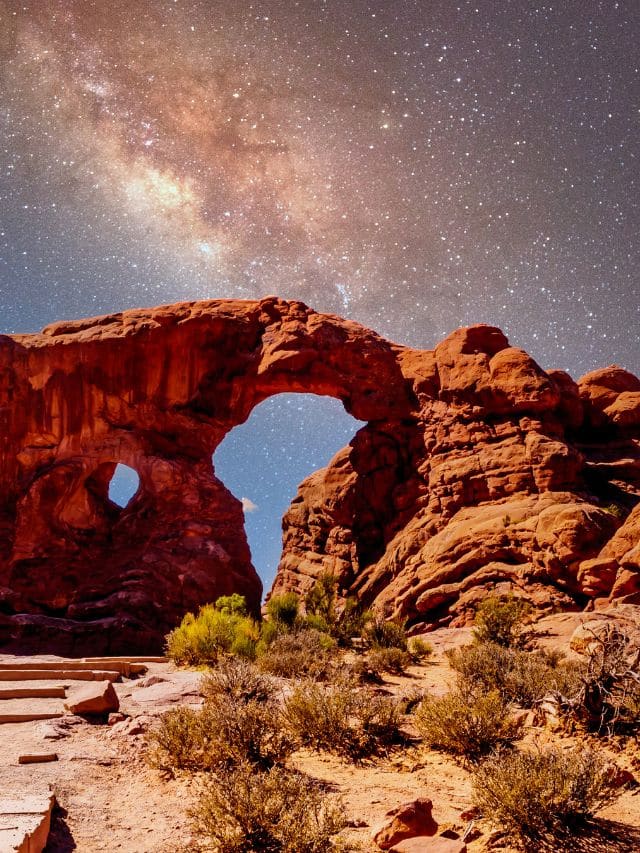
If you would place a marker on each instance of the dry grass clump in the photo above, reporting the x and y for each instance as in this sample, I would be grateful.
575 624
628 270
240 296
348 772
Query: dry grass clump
541 795
304 653
465 724
519 676
241 722
279 811
339 719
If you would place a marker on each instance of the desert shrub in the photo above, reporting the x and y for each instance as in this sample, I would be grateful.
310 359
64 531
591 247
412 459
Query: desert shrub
321 599
284 609
238 679
468 725
305 653
339 719
386 635
536 796
241 721
519 676
180 741
279 811
232 605
201 639
608 698
393 660
500 619
419 649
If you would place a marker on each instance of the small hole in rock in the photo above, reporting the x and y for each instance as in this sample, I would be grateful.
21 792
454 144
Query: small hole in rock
124 484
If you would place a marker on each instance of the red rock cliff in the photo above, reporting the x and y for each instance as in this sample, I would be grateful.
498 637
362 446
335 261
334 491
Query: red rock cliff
476 468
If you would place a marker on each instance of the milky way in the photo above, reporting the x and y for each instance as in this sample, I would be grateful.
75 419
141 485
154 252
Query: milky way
414 165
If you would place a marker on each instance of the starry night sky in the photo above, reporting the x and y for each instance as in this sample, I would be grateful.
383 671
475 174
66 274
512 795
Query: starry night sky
416 166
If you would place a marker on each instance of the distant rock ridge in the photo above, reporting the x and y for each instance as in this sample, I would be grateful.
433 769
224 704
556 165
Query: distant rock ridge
475 469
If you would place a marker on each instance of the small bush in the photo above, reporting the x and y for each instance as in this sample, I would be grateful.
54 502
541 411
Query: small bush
419 649
284 609
391 660
321 599
276 812
386 635
519 676
500 619
216 629
239 680
241 721
180 742
466 725
540 795
342 720
303 654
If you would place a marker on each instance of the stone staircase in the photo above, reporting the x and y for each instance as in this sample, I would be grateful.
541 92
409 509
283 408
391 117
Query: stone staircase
34 689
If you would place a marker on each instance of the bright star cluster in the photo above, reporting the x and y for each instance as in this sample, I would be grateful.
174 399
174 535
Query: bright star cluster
414 165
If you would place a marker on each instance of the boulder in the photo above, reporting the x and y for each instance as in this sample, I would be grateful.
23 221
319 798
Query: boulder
408 820
99 697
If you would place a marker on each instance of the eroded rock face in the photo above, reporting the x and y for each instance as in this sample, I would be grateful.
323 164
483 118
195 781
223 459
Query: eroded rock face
506 478
476 468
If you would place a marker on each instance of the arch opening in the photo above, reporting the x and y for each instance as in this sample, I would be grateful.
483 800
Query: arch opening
263 461
124 485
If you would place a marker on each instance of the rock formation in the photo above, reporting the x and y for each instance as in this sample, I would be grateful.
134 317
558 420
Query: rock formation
475 468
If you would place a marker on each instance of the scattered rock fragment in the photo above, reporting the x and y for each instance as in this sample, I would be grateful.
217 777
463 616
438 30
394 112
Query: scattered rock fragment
37 758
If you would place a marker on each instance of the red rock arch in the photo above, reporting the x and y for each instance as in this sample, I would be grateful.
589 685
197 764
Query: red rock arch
451 435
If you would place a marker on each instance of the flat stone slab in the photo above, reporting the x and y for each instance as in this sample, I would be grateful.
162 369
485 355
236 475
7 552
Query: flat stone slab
58 674
32 693
25 823
37 758
26 710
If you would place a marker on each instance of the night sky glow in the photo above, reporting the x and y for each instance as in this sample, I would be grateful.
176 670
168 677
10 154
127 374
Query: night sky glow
413 165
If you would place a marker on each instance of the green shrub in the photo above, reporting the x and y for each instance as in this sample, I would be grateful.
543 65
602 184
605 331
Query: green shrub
519 676
541 795
276 812
419 649
321 599
201 639
465 725
232 605
284 609
500 619
386 635
302 654
340 719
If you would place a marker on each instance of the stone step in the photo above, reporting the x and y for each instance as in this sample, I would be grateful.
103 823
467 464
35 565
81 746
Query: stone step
25 822
125 666
28 717
33 693
58 675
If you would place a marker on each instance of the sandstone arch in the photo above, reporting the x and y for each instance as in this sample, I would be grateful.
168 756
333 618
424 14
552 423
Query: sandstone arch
451 435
